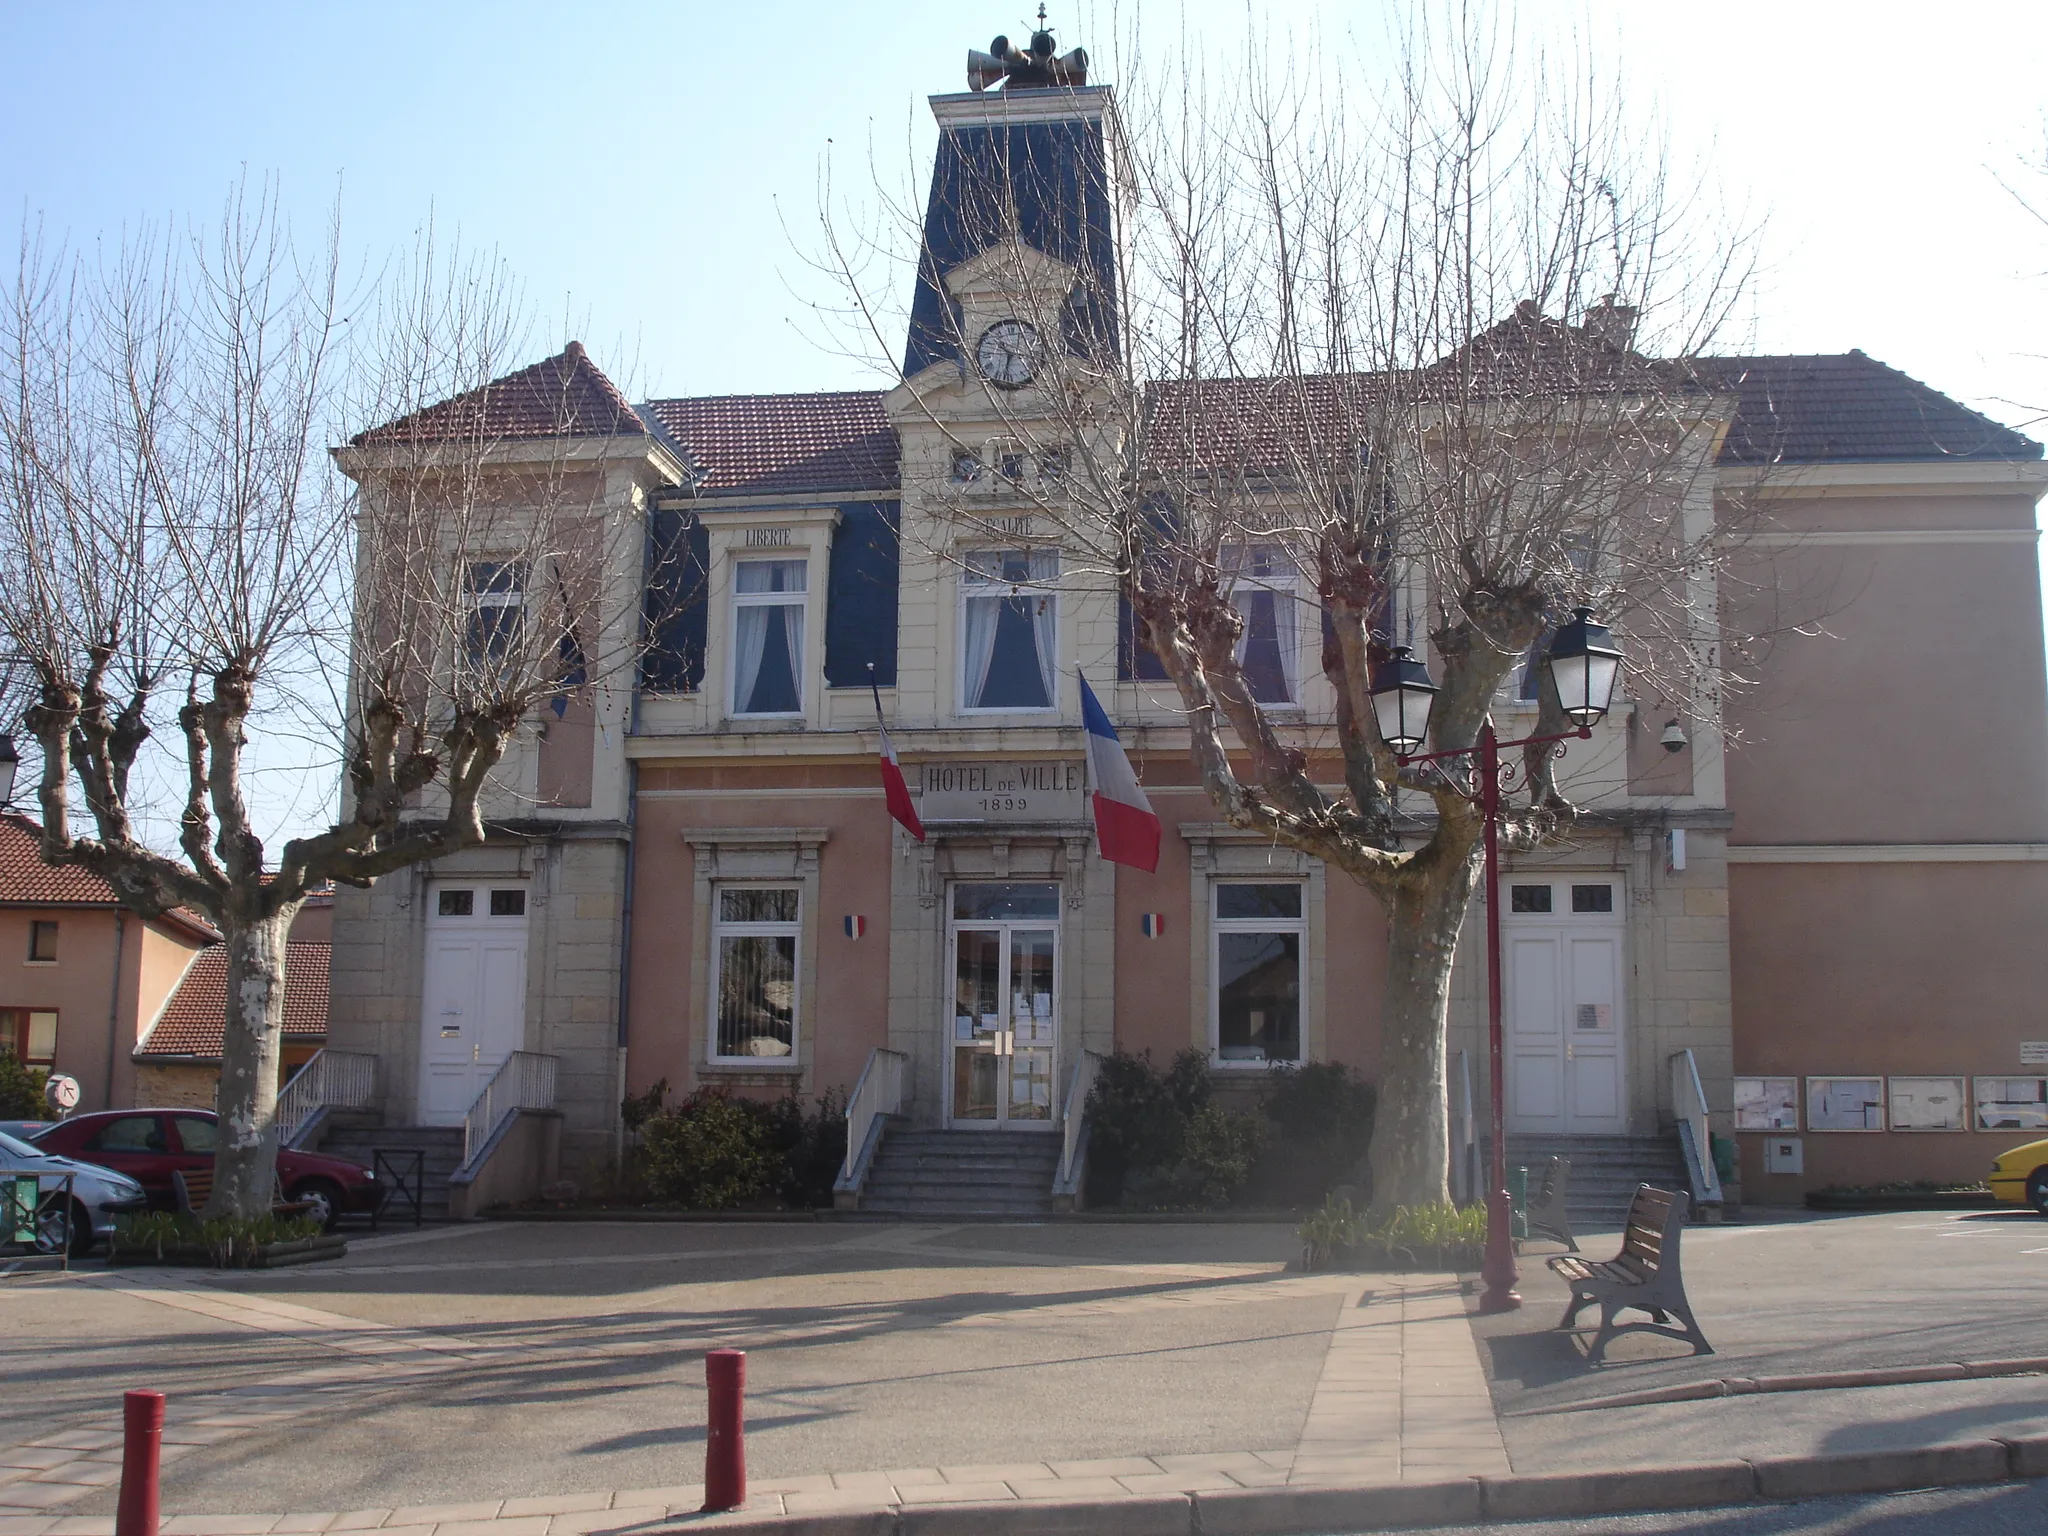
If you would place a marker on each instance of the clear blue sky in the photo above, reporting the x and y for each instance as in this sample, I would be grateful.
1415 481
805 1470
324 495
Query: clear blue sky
652 170
644 166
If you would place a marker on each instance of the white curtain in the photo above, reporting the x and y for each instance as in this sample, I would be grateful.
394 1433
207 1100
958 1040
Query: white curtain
1045 571
980 648
751 631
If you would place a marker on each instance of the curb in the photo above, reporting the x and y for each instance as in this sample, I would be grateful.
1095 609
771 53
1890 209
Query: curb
1417 1506
1812 1381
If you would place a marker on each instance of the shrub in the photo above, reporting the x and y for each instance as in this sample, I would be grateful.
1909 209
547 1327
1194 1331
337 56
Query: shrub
708 1153
712 1151
809 1147
1319 1120
21 1089
1414 1237
1138 1118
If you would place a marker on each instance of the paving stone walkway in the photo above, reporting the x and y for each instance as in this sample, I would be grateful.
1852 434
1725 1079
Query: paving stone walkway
1401 1396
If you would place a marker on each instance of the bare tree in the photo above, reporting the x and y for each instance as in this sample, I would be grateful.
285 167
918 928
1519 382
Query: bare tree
1426 369
182 564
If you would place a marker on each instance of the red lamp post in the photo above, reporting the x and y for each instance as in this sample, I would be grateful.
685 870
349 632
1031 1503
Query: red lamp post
1583 664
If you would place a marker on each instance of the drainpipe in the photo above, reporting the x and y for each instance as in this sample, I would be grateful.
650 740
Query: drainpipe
114 1007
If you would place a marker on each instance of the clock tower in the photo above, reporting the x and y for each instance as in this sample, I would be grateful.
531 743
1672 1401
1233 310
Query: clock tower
1031 164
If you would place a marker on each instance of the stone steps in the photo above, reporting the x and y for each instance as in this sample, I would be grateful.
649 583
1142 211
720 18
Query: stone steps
962 1175
440 1147
1605 1171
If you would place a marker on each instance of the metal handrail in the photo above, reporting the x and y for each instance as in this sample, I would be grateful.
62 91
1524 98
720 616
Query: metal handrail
1689 1101
1075 1121
328 1080
525 1080
878 1092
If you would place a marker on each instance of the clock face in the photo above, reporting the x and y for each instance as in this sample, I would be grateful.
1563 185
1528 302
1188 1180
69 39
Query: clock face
1008 353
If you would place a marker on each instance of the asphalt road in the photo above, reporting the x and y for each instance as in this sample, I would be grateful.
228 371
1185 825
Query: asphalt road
2010 1510
869 1347
1781 1298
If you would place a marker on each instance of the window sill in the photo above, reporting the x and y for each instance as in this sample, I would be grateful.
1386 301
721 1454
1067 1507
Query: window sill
748 1066
1235 1064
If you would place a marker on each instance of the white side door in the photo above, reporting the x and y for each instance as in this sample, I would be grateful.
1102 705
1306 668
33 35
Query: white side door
1563 945
1535 1042
1595 1104
473 1012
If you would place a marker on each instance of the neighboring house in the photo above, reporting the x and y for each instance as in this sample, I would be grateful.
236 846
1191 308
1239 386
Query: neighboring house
699 881
81 979
177 1063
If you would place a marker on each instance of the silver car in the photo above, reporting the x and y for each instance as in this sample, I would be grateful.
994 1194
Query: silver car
98 1194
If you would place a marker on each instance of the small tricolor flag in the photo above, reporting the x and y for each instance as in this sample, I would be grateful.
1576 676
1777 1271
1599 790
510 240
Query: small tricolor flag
894 789
856 925
1153 925
1126 829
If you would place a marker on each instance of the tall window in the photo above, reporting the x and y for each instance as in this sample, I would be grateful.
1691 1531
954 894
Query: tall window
1257 935
495 593
42 941
1009 623
754 938
768 637
1269 646
31 1033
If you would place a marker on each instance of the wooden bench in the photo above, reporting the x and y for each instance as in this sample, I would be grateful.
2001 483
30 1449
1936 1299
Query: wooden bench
1643 1277
1545 1213
194 1187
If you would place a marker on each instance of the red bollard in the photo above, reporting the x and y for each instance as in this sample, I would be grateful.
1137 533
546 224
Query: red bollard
725 1446
142 1442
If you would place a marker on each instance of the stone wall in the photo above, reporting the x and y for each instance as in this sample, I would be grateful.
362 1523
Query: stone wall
176 1085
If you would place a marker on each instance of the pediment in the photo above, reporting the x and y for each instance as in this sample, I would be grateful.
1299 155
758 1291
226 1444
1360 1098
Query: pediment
1014 274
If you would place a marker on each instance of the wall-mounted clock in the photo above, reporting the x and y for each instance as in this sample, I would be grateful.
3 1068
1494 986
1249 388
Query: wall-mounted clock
1009 353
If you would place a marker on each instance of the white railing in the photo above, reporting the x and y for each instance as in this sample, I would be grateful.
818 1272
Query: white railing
879 1092
1464 1136
1695 1138
330 1080
1075 1118
525 1081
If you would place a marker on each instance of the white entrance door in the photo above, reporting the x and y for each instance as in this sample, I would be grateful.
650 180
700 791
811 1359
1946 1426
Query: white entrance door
1563 953
473 1012
1003 1026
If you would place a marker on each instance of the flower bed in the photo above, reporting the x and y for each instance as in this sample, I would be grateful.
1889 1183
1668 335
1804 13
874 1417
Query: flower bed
222 1242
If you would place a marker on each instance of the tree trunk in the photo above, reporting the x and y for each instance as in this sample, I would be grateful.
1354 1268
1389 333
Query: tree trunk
1410 1153
245 1160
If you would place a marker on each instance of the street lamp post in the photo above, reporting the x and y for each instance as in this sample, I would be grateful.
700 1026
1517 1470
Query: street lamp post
10 765
1583 664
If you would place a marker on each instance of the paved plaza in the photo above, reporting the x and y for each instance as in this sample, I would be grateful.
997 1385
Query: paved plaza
547 1378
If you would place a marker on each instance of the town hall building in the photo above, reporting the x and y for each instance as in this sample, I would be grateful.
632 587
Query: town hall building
1830 926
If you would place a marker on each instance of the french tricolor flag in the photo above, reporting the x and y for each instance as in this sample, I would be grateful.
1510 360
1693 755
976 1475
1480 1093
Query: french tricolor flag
894 789
1126 829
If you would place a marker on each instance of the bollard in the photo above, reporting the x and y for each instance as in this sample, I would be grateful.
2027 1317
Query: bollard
142 1440
725 1443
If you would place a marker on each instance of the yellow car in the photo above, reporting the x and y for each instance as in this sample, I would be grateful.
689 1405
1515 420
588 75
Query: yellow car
2020 1177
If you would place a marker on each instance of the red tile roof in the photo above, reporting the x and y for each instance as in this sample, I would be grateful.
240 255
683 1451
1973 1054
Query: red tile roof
564 396
195 1019
1849 406
25 880
815 442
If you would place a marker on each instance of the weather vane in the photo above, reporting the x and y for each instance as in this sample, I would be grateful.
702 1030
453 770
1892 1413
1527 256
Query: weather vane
1032 68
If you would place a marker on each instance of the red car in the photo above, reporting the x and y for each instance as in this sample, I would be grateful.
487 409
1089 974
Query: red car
147 1144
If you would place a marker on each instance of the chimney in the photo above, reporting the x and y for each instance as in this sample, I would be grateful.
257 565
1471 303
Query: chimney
1611 322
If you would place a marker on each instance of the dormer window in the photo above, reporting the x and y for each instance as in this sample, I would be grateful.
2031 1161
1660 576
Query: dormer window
768 637
1009 629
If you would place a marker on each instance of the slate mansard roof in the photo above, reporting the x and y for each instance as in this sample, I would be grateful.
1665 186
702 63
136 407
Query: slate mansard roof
194 1021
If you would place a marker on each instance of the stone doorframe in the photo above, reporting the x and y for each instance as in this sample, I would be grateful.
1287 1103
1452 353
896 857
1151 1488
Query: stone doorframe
920 967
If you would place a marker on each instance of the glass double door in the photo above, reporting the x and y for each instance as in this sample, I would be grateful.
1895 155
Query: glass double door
1005 1024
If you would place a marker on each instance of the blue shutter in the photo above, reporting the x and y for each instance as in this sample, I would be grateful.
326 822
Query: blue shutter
1135 661
860 596
676 602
